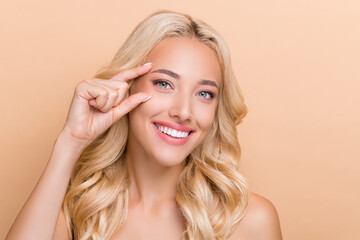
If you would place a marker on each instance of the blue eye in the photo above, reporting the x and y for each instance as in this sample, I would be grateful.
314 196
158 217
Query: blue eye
162 84
206 94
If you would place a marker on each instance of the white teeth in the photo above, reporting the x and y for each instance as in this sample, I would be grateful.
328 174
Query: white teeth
172 132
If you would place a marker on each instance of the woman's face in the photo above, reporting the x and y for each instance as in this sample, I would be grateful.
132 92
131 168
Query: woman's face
184 84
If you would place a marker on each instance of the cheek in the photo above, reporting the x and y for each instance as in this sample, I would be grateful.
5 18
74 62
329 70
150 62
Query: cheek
204 116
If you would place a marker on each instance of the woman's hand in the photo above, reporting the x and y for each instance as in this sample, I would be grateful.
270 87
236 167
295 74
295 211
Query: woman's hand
98 103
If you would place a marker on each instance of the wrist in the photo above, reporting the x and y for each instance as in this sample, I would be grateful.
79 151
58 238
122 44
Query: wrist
66 151
65 138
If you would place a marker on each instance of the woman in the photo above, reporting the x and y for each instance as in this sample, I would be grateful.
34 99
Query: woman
151 150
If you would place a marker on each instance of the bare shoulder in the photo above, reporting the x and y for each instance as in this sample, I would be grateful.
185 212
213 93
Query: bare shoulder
261 221
61 232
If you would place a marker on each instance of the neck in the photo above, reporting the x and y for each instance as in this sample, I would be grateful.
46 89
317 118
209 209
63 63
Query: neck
150 182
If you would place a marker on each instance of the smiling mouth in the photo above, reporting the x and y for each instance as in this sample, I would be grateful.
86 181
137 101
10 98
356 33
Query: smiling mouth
172 132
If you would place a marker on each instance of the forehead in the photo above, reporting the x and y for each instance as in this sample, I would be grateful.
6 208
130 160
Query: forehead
188 57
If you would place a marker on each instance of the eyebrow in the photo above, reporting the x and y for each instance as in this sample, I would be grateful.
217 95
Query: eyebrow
177 76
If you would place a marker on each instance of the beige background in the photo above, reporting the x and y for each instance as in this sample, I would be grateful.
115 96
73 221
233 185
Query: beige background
296 60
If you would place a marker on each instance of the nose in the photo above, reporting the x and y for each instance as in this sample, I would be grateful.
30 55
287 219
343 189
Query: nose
181 108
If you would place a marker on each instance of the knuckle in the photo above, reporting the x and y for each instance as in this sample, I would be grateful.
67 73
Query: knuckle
131 101
114 94
79 86
125 104
104 93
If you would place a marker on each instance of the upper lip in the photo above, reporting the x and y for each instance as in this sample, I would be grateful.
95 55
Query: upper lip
175 126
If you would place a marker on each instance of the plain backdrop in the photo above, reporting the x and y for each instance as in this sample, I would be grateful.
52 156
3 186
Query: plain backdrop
297 62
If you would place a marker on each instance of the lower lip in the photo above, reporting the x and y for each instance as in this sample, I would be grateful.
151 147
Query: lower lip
169 139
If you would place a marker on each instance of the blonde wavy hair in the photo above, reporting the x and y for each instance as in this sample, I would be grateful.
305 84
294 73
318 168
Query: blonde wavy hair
211 193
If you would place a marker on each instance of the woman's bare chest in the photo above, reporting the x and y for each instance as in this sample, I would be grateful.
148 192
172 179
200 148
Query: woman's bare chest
166 224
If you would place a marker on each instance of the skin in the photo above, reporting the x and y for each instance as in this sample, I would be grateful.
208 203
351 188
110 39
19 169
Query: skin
154 165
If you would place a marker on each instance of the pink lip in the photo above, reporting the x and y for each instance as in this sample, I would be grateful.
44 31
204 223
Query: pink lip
175 126
171 140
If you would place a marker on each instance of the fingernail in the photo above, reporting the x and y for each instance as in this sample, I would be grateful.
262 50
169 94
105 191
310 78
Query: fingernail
146 99
147 64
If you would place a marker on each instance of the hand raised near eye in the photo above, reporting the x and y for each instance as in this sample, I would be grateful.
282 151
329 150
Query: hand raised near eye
98 103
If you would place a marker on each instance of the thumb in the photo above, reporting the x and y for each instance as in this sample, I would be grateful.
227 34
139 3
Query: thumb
129 104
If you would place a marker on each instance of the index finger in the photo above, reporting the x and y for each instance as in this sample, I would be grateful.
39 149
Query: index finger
132 73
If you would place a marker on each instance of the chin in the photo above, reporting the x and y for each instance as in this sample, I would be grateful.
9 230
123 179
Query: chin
169 159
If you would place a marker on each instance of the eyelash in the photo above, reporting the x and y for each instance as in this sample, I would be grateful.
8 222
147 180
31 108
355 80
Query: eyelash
158 82
210 94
